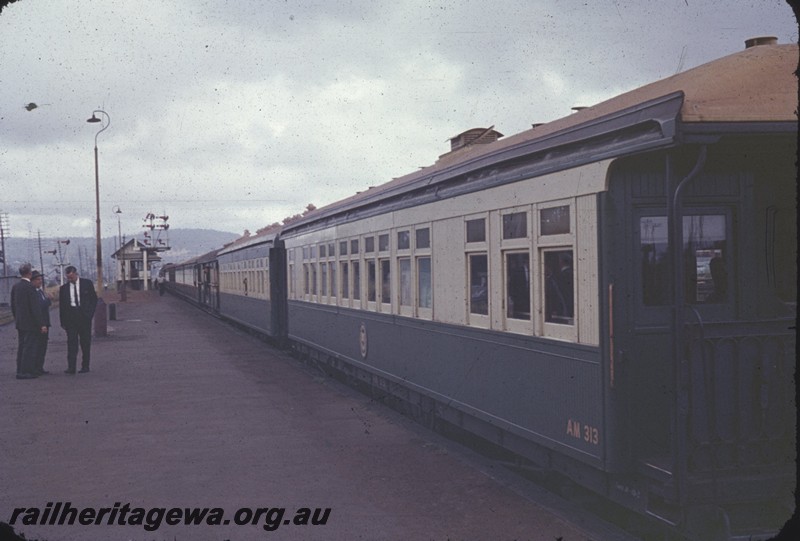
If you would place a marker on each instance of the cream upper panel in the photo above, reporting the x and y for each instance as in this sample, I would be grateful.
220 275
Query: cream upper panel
575 182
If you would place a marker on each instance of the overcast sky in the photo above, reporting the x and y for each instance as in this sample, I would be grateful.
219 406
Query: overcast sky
231 115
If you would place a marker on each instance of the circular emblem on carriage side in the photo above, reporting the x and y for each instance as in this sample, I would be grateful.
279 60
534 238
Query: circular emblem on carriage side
362 340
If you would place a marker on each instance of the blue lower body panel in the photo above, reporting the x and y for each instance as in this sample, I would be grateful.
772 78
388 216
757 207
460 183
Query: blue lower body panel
545 391
251 312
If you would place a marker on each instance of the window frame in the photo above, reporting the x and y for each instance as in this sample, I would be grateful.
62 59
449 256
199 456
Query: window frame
345 288
371 297
475 318
526 210
559 331
405 309
512 324
658 314
472 249
419 253
423 312
550 243
385 284
557 239
501 249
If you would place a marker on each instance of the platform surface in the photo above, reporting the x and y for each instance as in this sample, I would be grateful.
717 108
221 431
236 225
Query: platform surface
182 411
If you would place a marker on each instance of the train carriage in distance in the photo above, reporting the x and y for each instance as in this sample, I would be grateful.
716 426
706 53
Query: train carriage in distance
251 293
195 280
611 295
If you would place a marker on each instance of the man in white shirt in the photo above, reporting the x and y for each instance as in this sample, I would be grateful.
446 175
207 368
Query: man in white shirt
77 301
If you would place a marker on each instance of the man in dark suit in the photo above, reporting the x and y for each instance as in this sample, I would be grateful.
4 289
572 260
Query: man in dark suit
29 322
37 279
77 301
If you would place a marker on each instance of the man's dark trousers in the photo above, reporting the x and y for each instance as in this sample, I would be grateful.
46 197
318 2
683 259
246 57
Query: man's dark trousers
79 331
27 352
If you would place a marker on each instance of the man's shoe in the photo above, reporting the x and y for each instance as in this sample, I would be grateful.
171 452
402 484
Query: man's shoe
43 372
27 376
70 372
83 370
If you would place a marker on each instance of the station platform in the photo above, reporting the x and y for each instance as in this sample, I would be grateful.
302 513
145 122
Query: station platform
182 413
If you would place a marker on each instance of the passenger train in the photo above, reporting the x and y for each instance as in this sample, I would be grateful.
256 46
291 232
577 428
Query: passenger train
610 296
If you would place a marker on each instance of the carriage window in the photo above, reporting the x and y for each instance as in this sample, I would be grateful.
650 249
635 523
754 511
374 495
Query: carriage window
515 226
313 278
424 293
656 290
423 238
476 230
371 280
705 257
332 271
404 267
705 254
356 280
479 284
345 279
554 221
559 289
518 286
386 284
403 240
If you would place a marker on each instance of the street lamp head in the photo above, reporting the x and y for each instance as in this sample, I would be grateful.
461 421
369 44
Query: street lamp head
93 119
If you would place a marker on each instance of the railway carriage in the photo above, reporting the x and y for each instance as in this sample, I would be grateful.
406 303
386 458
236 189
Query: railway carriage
611 295
196 280
251 292
180 279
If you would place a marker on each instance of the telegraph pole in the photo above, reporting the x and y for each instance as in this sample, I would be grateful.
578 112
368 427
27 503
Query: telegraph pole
3 232
41 259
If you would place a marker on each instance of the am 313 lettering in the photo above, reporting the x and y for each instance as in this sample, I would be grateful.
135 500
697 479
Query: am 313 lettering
583 431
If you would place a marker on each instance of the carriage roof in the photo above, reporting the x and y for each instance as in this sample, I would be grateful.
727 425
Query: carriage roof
265 236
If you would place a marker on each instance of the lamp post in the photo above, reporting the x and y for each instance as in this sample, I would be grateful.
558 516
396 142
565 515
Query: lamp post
94 119
120 255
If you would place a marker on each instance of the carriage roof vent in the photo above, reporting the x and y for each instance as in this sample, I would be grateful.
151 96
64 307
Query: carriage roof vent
762 40
475 136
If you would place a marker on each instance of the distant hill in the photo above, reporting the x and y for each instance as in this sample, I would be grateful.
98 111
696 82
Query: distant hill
184 244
